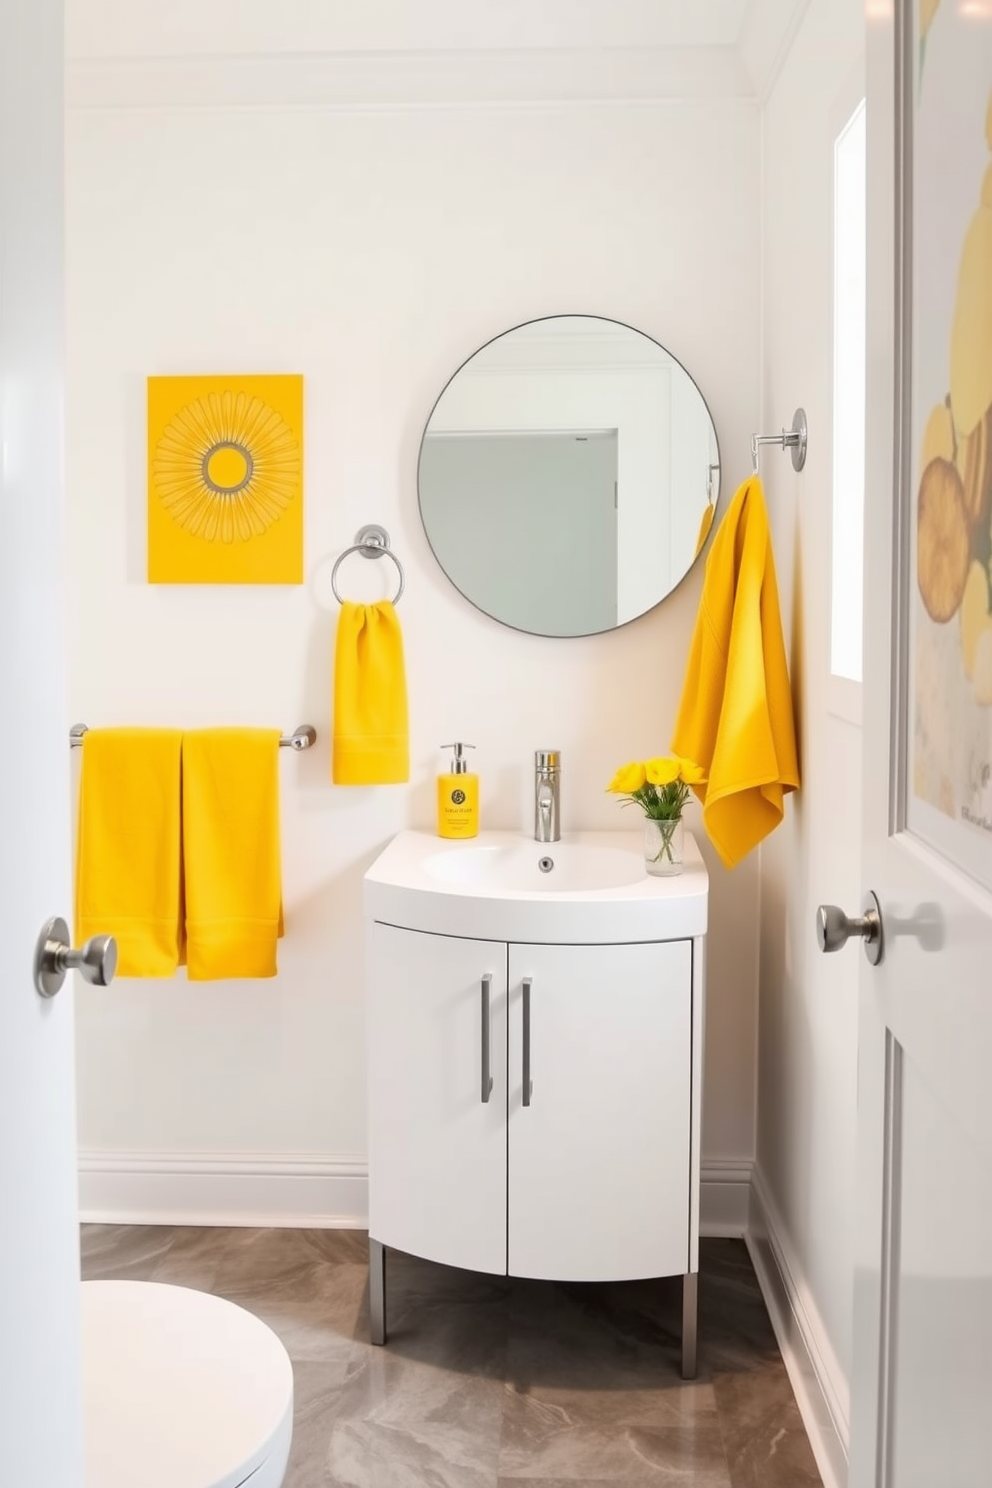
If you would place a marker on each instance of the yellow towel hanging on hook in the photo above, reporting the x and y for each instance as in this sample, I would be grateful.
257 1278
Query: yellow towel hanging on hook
736 717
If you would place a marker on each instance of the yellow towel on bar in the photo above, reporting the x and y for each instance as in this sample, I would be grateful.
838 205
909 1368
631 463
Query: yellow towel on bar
128 874
736 717
231 852
371 739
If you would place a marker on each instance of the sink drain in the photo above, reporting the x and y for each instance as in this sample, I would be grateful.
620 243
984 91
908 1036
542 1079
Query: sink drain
545 864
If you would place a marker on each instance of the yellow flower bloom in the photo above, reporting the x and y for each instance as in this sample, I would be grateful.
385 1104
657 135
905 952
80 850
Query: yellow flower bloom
690 772
627 779
662 771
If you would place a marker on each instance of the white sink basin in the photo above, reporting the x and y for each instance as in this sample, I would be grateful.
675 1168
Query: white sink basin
535 867
589 888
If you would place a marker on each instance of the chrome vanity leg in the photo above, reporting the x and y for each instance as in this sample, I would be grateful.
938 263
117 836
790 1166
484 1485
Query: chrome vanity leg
690 1289
377 1290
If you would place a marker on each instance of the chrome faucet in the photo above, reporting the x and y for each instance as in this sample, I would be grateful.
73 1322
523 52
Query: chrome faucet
547 795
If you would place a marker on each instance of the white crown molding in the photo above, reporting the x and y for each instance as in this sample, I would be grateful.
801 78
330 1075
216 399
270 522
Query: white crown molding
108 28
767 32
410 80
814 1371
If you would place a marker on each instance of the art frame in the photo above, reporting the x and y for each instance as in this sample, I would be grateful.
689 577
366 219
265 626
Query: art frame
225 479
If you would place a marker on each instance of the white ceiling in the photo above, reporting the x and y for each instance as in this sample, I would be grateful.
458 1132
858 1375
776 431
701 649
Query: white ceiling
740 39
140 27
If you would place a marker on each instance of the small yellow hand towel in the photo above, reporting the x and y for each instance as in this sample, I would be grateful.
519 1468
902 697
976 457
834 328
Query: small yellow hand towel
231 852
128 873
371 739
736 717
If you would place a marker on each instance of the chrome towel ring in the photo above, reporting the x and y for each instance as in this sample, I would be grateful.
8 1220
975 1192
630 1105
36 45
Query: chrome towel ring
371 542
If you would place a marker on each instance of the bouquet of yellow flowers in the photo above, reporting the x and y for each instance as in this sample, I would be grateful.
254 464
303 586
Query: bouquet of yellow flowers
660 787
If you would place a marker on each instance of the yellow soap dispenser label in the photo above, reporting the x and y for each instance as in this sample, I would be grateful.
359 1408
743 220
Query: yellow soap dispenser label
458 805
458 797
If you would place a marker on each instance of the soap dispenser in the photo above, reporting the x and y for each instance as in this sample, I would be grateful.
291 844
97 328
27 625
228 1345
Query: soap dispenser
458 797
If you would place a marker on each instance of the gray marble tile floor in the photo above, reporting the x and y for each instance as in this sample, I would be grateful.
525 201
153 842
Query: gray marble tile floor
493 1383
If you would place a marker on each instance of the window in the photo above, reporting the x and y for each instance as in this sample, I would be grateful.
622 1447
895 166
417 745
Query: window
849 398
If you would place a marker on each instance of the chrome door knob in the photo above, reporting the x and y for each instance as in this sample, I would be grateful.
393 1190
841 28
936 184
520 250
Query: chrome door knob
834 928
96 961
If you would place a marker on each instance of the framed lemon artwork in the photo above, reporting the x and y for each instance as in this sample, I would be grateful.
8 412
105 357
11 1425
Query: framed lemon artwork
949 788
225 480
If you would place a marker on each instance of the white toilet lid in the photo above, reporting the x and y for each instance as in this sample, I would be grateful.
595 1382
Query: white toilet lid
180 1389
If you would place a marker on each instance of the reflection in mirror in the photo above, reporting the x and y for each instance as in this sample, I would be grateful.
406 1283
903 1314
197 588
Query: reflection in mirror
567 475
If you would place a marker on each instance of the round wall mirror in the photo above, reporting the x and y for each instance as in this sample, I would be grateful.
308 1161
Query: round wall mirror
568 475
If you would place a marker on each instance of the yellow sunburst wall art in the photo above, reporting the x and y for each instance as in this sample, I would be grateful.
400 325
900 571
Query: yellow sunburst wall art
225 480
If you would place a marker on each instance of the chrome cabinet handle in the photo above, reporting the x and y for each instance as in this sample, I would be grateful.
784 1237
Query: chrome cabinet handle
96 961
487 1076
528 1082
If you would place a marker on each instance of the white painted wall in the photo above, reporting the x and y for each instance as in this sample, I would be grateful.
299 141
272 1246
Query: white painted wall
371 249
808 1002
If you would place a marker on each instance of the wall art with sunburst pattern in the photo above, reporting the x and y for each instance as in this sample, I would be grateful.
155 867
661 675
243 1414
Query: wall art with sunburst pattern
225 480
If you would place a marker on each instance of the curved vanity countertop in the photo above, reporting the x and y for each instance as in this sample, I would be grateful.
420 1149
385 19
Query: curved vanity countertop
490 887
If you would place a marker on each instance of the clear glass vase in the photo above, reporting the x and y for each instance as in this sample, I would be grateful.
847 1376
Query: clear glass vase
663 841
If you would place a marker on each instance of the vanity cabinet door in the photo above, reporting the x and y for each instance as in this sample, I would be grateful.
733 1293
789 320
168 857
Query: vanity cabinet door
599 1158
437 1147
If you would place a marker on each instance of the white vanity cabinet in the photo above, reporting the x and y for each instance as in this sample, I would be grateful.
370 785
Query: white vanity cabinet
534 1106
583 1176
437 1140
598 1160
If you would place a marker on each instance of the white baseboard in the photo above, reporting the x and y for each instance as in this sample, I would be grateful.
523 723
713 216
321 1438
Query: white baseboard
279 1189
724 1196
814 1373
287 1189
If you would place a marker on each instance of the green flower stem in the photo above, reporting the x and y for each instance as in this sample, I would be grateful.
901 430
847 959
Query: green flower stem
666 828
660 802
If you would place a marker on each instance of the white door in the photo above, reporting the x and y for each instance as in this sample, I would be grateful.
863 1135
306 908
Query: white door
600 1085
922 1376
40 1431
436 1029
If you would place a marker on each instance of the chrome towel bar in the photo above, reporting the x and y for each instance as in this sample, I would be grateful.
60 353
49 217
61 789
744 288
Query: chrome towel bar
301 738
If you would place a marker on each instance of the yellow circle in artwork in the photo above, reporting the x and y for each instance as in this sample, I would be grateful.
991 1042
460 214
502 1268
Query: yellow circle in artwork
227 467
